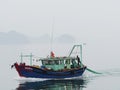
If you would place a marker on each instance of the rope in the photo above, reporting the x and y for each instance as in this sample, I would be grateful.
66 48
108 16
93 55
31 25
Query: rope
93 71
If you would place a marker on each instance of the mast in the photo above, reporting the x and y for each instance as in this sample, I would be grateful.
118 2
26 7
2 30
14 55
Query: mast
51 39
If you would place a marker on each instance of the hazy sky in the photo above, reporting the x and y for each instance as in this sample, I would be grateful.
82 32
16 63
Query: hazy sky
87 18
95 22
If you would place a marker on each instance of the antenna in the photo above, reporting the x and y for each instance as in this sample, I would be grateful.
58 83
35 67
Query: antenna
51 40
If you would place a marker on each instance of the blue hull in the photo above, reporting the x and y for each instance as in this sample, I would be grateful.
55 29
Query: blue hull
33 72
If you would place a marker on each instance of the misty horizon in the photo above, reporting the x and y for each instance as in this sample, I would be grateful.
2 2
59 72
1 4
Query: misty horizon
14 37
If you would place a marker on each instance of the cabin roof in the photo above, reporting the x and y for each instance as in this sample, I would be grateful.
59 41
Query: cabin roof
57 58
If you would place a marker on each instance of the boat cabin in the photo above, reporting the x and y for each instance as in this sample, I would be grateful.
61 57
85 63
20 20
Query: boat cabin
59 63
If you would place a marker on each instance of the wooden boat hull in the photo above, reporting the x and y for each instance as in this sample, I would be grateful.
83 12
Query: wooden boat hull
34 72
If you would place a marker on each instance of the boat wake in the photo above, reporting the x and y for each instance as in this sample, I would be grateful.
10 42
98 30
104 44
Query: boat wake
24 80
111 72
104 73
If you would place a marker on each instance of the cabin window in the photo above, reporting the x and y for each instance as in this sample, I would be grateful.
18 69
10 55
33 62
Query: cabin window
61 62
52 62
56 62
67 61
45 62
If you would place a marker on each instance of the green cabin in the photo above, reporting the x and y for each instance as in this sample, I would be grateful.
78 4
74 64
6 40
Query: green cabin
59 63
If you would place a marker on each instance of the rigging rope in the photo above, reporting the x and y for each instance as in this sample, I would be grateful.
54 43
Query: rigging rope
93 71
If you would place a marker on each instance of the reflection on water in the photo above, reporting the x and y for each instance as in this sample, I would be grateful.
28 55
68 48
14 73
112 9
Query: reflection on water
53 85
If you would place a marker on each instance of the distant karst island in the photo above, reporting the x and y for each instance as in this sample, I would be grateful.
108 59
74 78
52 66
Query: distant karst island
14 37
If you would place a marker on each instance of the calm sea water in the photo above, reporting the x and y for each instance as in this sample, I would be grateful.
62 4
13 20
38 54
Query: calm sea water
9 79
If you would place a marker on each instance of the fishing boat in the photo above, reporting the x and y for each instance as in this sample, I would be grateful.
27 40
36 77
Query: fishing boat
53 67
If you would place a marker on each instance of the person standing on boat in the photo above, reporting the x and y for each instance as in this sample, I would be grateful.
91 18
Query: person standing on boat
52 55
78 59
